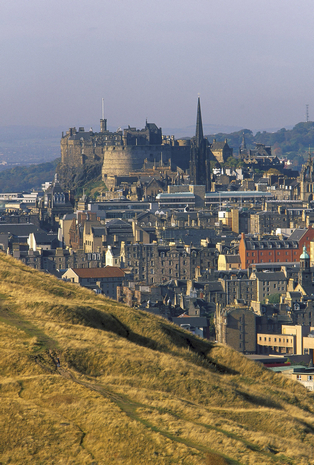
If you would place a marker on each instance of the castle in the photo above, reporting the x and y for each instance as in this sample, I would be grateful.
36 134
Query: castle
132 150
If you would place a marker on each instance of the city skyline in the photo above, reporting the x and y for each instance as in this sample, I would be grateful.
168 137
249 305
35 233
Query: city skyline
248 61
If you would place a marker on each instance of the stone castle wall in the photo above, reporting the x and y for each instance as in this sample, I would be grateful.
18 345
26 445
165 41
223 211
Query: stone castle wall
76 153
121 160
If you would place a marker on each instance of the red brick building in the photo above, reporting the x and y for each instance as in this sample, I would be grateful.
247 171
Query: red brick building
253 251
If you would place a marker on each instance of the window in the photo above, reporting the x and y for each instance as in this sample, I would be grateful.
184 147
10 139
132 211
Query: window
299 377
310 378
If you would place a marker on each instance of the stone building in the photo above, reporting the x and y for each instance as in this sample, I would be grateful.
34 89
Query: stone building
235 325
267 221
106 280
152 263
227 262
269 283
238 287
305 189
55 204
221 151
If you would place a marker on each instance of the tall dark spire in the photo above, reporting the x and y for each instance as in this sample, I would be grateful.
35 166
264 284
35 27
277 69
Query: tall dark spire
199 125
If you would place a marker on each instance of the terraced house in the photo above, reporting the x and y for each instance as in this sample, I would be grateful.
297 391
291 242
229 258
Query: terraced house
152 263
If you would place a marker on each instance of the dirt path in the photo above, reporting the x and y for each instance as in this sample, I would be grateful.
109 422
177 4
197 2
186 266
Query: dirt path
130 409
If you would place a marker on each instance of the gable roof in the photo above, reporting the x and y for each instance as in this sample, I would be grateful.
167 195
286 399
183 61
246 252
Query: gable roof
107 272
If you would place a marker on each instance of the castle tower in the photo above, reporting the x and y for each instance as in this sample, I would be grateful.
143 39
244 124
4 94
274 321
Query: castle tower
103 125
199 154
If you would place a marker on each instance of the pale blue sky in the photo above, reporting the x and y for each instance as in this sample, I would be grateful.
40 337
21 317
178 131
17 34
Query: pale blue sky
250 60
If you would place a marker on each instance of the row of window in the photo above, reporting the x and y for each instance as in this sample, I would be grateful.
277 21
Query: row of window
269 253
275 339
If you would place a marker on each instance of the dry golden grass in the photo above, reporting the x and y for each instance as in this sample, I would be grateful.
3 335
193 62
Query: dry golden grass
132 388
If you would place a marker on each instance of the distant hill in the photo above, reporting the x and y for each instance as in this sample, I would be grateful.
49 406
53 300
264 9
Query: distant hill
24 178
132 388
291 143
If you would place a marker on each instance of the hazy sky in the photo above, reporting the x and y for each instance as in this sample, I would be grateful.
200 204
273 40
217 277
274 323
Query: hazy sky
251 61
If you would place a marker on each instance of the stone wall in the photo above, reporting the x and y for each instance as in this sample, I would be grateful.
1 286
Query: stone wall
121 160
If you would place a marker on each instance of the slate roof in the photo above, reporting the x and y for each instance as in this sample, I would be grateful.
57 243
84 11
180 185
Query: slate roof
99 231
233 258
272 276
214 286
197 321
81 135
117 223
272 244
45 238
219 145
297 234
19 229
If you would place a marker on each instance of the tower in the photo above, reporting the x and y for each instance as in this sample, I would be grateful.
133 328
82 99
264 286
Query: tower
305 275
200 154
306 179
103 121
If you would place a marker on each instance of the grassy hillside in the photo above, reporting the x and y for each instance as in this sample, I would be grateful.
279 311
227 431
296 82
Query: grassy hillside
132 388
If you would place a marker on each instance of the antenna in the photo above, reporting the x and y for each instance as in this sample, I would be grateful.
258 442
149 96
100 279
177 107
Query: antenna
307 113
102 108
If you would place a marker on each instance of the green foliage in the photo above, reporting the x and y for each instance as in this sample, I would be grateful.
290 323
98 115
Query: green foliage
92 188
291 143
274 298
233 163
22 178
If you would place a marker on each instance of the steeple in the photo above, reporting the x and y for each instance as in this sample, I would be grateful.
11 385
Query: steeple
199 154
199 125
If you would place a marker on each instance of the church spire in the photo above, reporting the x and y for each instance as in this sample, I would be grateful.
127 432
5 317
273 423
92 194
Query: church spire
199 125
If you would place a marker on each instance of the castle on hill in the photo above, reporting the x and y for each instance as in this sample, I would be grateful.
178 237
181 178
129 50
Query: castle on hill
135 150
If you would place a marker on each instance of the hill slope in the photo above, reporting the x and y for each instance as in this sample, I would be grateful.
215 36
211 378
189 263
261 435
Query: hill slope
132 388
24 178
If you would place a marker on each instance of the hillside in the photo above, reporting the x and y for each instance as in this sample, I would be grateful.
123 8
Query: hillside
291 143
24 178
132 388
